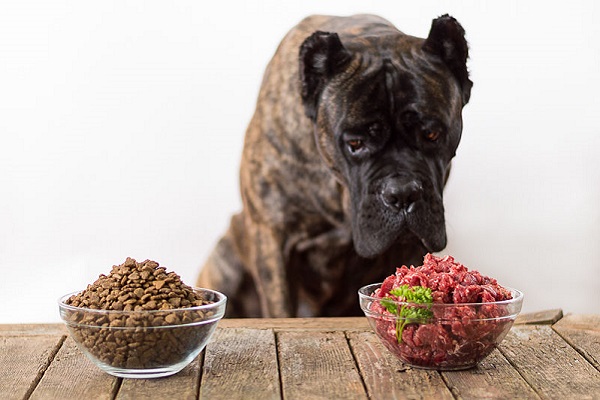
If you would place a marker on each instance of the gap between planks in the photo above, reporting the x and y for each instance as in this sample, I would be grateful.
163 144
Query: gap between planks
45 366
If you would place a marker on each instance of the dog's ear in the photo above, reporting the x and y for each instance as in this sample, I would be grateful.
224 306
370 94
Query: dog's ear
447 40
322 55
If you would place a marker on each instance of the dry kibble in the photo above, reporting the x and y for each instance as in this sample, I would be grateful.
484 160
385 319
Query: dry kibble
149 289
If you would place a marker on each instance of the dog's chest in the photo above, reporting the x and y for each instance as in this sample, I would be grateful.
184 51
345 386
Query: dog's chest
327 272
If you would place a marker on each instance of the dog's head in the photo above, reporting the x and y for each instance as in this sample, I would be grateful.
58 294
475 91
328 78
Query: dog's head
387 111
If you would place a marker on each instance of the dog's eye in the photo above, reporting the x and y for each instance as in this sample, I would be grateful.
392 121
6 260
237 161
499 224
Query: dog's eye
355 145
375 129
432 135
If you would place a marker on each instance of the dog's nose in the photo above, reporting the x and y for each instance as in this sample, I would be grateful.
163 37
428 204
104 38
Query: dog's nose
400 194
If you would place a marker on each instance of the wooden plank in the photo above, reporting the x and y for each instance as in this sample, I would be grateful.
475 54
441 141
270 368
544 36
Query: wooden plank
181 386
23 362
240 361
354 323
334 324
386 377
551 366
583 333
298 324
318 366
493 378
32 329
540 317
73 376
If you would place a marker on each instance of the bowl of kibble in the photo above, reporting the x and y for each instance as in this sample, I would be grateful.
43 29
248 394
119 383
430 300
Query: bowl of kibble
140 321
440 315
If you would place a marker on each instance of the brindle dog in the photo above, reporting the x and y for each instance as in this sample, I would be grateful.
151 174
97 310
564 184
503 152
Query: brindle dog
344 165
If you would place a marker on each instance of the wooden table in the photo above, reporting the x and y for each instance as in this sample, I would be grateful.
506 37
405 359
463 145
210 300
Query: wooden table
544 356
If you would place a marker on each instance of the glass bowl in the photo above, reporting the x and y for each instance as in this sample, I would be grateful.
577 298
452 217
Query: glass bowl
144 344
440 336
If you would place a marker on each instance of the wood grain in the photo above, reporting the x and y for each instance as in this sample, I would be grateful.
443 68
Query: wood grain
181 386
353 323
243 361
33 329
299 324
551 366
334 324
23 362
386 377
319 365
493 378
583 333
540 317
70 366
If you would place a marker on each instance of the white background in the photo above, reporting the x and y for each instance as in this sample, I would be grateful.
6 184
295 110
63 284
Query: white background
121 126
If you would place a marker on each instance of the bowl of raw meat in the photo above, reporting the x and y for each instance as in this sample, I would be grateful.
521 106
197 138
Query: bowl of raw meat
440 315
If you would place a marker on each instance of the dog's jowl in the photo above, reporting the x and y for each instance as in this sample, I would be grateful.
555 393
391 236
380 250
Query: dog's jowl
344 165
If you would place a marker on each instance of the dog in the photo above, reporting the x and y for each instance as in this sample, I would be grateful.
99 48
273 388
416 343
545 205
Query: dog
343 167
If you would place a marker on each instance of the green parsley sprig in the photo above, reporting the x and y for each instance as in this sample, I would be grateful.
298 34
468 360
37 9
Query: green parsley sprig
409 314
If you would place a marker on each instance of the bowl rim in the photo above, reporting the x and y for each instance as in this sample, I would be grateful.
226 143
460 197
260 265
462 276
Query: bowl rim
217 304
517 297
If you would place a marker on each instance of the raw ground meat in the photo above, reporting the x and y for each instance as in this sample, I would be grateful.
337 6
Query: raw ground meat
458 338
